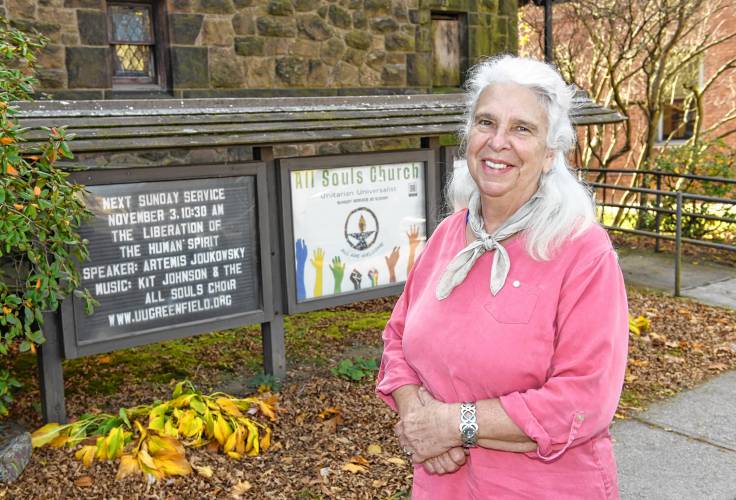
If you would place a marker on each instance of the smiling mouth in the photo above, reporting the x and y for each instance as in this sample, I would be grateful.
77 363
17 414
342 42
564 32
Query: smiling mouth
496 166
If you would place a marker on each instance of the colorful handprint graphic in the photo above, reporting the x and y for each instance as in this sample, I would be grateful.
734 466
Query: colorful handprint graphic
300 253
317 261
338 271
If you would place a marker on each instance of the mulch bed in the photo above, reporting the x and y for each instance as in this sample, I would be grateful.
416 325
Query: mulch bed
326 422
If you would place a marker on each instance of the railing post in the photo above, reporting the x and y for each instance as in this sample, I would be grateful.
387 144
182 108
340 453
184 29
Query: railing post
658 204
603 203
678 244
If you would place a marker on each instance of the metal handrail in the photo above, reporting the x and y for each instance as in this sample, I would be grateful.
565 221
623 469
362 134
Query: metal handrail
679 214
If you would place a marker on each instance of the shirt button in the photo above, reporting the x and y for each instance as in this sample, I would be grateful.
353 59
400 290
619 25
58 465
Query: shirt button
516 284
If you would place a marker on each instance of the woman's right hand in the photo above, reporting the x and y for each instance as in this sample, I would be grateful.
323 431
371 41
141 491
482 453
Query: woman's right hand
448 462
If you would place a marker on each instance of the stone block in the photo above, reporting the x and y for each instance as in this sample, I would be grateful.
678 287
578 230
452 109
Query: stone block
182 5
306 5
395 58
314 27
49 79
345 75
244 24
340 17
275 46
249 46
217 6
51 57
21 9
280 8
393 74
377 6
88 67
360 40
57 4
508 7
292 70
52 30
15 451
400 12
92 26
57 15
328 149
225 70
305 48
449 5
423 40
259 72
332 51
399 42
189 67
317 75
84 4
354 57
376 59
384 24
353 4
241 4
473 19
185 28
360 20
418 70
67 39
217 32
370 78
276 26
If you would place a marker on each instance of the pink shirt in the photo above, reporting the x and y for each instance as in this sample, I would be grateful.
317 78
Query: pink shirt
551 345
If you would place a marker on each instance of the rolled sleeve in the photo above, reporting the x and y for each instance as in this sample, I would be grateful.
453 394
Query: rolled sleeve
580 396
394 372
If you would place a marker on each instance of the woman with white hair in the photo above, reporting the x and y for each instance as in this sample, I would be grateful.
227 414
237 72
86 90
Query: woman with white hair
505 355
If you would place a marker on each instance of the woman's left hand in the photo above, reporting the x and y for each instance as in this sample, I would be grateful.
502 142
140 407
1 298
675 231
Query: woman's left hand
429 429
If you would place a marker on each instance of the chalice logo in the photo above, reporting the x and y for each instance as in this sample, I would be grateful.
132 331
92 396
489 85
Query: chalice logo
361 228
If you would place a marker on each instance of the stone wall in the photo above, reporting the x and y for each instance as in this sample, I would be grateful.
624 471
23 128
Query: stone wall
266 47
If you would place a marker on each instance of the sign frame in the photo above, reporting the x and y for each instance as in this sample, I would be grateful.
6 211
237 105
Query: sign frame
70 308
288 165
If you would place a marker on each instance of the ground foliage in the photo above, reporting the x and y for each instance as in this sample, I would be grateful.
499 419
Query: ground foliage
333 438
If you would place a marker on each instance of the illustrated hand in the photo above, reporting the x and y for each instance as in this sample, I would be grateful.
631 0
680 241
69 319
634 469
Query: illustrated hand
338 271
413 235
429 429
317 260
391 260
356 277
301 257
373 276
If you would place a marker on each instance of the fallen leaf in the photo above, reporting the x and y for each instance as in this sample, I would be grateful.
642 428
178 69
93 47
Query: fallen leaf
354 468
374 449
84 482
379 483
104 360
204 470
718 367
329 412
240 488
396 461
357 459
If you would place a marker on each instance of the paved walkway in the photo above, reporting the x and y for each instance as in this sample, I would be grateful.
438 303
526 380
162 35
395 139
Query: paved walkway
684 447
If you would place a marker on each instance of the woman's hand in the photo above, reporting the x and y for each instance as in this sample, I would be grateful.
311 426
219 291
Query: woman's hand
429 429
448 462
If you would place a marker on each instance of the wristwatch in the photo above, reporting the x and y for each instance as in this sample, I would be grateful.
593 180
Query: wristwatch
468 425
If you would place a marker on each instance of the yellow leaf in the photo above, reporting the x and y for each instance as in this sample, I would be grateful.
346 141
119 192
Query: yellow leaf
59 441
204 471
231 441
86 454
232 454
267 410
241 488
183 400
147 465
128 466
396 461
46 434
266 439
374 449
222 430
114 442
252 446
357 459
354 468
170 429
105 360
173 466
101 448
163 446
229 407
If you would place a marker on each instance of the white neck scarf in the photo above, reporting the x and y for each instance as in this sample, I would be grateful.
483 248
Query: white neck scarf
463 262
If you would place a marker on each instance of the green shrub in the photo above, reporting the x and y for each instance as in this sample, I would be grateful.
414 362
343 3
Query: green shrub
40 212
355 369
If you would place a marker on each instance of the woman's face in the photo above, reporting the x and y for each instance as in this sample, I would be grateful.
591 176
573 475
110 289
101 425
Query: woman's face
507 151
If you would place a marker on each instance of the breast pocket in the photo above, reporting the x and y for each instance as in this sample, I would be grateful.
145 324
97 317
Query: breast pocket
514 304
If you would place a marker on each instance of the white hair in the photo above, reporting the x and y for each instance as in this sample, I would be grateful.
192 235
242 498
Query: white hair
566 207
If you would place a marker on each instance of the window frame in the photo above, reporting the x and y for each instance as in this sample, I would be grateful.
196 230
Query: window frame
462 20
159 48
664 138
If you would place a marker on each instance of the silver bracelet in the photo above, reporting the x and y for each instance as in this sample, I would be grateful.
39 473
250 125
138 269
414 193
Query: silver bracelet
468 425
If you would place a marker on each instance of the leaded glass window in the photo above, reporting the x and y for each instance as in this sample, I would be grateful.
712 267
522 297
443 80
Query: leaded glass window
133 42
